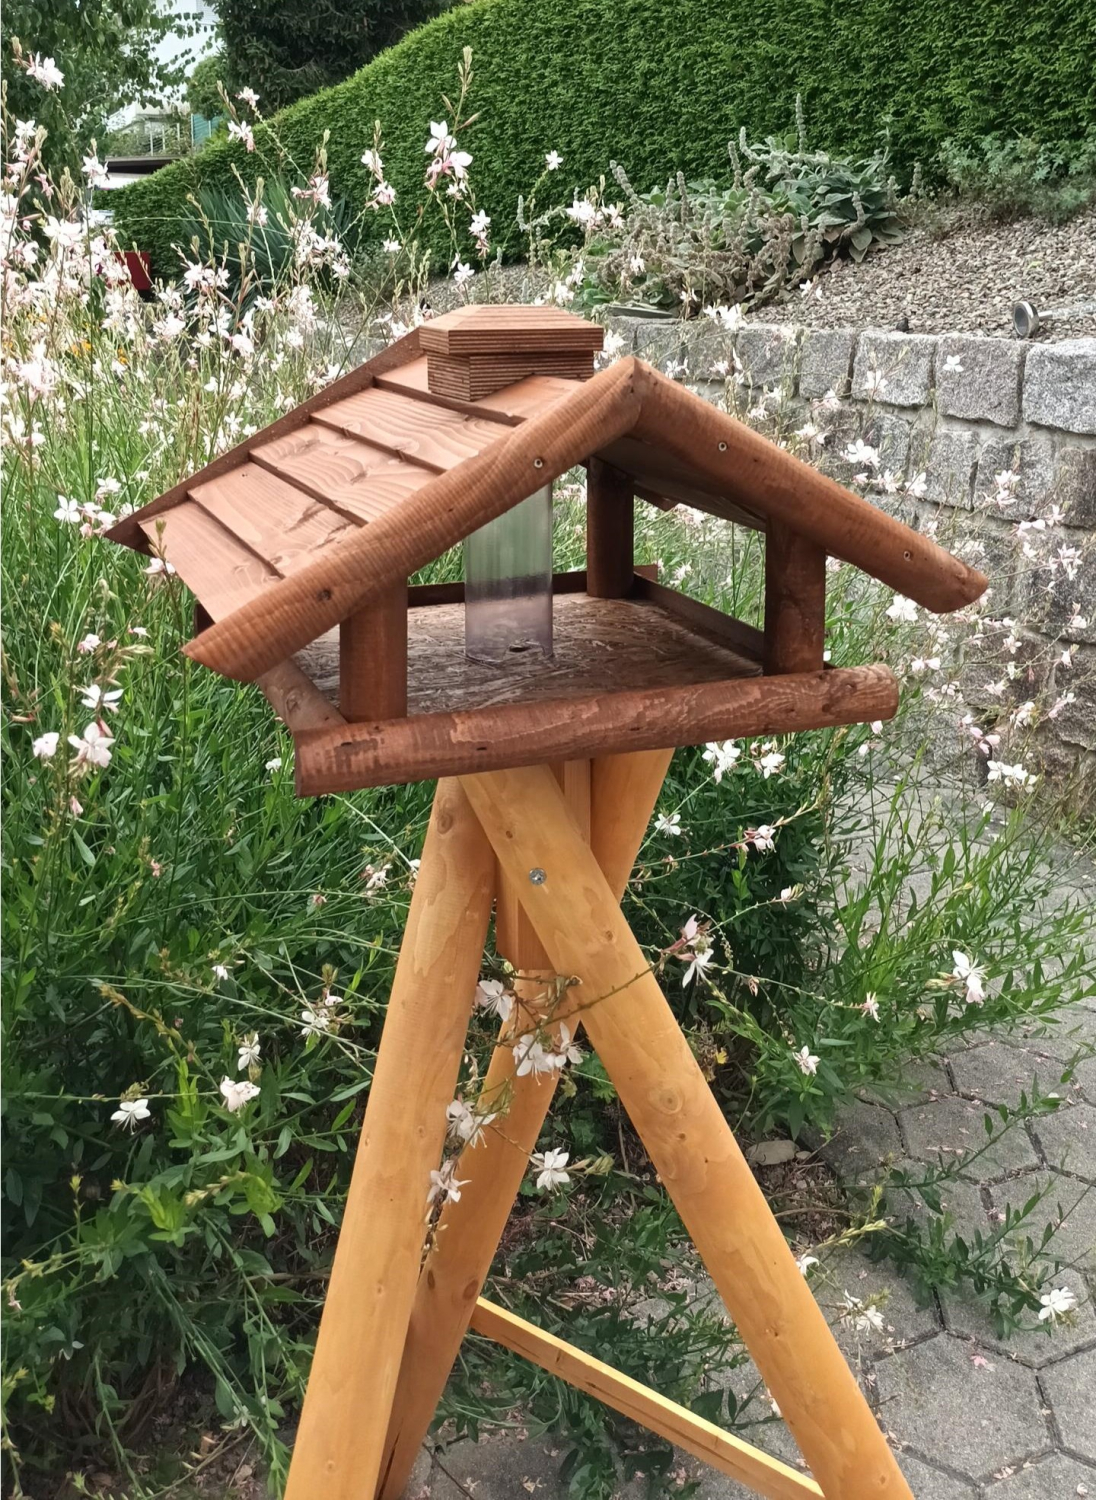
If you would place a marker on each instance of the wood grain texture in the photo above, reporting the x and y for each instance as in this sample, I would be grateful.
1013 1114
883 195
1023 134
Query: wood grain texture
216 565
373 658
658 473
599 646
721 1450
756 474
795 601
345 472
271 517
129 532
432 437
340 1440
682 1126
613 804
297 700
610 524
482 328
524 734
472 376
430 521
743 639
574 582
527 398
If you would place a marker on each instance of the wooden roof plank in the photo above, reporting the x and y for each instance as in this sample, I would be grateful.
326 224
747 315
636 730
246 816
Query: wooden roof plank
129 530
275 519
517 403
360 481
435 438
213 563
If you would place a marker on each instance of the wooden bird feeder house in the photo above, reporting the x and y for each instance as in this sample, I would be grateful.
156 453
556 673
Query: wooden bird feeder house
548 707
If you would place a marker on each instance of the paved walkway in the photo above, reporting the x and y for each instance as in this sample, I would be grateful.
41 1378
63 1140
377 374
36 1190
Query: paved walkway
973 1417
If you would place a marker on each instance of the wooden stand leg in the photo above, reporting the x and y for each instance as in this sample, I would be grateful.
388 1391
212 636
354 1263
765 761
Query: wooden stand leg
619 801
690 1143
340 1441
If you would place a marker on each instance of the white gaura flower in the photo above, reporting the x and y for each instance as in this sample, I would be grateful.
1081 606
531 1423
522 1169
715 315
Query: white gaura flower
670 824
95 172
274 764
391 247
969 974
582 211
130 1111
860 452
492 995
1015 775
97 700
953 365
532 1057
68 511
444 1184
918 486
249 96
549 1167
92 747
902 610
769 763
1056 1304
249 1049
865 1319
316 1022
465 1124
805 1262
698 961
45 746
87 645
870 1005
440 139
238 1092
240 130
45 71
462 273
220 971
805 1060
721 756
567 1050
762 838
158 566
552 161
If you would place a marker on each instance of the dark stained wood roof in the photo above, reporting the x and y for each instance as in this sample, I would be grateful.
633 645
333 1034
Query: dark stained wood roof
375 477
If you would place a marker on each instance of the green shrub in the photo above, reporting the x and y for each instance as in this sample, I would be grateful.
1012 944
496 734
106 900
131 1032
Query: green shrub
1013 176
662 88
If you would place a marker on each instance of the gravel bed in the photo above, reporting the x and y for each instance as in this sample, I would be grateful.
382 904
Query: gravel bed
965 280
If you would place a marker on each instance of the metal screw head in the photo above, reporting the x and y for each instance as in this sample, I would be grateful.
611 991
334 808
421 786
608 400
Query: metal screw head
723 447
538 463
537 876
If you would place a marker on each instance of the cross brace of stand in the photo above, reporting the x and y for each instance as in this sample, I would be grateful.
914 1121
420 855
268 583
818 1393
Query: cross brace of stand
394 1319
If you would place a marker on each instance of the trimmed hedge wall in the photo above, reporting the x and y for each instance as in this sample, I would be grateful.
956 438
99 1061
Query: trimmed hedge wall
663 84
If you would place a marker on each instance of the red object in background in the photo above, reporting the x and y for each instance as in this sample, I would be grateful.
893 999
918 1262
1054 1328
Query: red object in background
139 264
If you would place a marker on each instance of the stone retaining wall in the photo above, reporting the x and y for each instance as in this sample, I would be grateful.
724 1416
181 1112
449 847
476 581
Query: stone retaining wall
949 412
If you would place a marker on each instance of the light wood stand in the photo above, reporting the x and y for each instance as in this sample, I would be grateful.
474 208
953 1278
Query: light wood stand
393 1321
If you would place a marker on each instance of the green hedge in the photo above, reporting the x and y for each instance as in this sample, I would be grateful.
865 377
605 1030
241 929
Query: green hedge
662 84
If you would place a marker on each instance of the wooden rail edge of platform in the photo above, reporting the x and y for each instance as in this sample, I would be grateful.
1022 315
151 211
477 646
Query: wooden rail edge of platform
341 758
704 1440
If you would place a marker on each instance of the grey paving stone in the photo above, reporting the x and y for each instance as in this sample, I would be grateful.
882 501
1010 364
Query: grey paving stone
848 1271
1067 1139
1060 385
929 1483
1076 1029
971 1419
890 434
999 1073
986 387
1034 1346
825 361
947 1128
865 1137
1055 1477
949 460
1074 485
1068 1204
1071 1390
961 1201
905 362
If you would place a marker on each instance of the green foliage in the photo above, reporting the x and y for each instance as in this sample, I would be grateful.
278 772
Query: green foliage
1013 176
285 49
662 88
203 87
107 52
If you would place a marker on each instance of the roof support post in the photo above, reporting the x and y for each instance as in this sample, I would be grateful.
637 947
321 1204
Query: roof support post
795 601
610 519
373 658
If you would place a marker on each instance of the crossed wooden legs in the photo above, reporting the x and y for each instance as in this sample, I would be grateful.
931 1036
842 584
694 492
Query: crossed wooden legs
374 1309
